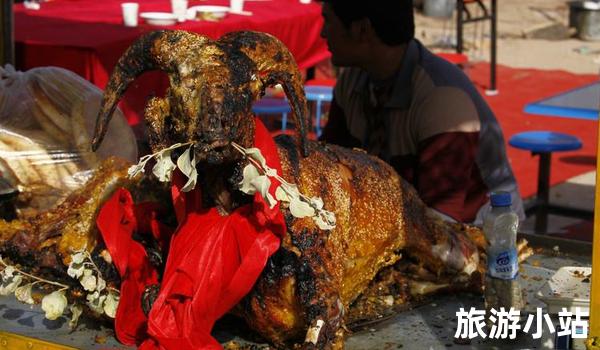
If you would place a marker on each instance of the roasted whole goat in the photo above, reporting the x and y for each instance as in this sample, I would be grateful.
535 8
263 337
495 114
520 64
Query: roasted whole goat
386 246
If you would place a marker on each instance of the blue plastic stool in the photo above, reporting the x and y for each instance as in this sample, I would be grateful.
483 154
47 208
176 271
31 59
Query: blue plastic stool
318 94
543 143
270 105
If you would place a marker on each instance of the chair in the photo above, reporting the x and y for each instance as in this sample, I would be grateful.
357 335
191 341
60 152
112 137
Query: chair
318 94
458 59
543 143
273 106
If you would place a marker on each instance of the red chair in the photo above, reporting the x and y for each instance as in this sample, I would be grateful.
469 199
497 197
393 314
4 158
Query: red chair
456 58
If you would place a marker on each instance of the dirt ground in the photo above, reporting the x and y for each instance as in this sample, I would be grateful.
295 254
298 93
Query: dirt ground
531 34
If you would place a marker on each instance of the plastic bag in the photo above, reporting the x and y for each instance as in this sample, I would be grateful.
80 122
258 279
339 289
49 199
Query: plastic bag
47 118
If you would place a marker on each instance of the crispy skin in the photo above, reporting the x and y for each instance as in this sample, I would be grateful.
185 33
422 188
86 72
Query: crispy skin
48 239
318 275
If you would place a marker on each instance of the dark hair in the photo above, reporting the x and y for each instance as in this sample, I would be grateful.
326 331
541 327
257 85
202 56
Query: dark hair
392 20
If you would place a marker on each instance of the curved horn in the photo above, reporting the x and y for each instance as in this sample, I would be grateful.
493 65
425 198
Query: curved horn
156 50
275 65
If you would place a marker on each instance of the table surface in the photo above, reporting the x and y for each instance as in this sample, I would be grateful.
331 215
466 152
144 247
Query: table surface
429 326
582 103
88 37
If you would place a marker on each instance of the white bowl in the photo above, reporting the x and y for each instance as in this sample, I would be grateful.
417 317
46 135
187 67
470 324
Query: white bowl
216 12
159 18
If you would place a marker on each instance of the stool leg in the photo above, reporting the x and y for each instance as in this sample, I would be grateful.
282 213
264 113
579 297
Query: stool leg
283 121
318 112
543 193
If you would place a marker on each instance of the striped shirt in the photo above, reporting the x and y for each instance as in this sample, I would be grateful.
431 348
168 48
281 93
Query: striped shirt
430 123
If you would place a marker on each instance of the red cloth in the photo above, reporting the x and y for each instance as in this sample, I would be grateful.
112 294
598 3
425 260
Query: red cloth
87 37
213 261
117 222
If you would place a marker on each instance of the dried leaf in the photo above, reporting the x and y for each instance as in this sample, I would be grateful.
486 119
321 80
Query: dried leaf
271 201
75 270
10 283
88 281
95 301
255 154
134 170
281 195
76 311
250 173
316 203
23 294
300 209
78 258
163 169
287 192
325 220
7 272
187 165
270 172
111 304
54 304
262 185
100 284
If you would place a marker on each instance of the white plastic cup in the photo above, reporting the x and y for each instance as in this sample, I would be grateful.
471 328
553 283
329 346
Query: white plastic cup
179 8
130 13
236 6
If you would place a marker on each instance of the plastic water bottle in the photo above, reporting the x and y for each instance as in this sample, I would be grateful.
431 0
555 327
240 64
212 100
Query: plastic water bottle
500 226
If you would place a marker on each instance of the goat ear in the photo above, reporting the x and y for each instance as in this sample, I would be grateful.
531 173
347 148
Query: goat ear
274 65
157 50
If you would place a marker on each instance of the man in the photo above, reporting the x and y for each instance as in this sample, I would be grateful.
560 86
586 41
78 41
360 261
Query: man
421 114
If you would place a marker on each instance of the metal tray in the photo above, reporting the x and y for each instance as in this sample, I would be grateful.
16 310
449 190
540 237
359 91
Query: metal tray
431 325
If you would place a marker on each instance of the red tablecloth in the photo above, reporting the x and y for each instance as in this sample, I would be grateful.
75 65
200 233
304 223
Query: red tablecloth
87 37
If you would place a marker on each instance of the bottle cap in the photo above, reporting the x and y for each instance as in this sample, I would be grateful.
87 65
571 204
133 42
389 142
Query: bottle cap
500 199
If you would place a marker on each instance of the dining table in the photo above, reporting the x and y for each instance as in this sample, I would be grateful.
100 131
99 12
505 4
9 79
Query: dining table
88 37
582 102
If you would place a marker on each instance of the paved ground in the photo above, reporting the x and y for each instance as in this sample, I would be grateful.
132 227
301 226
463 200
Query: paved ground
577 192
531 34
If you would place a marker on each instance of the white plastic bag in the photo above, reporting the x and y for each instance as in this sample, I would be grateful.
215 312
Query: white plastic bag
47 118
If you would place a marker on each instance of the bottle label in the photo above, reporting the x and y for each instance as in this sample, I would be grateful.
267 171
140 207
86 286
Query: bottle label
504 265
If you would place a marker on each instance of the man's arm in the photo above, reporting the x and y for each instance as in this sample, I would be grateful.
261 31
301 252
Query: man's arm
447 172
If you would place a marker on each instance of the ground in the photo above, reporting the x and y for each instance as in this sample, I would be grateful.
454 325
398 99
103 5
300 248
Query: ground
531 34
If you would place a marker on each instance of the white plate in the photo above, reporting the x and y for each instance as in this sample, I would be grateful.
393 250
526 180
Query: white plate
568 288
214 11
159 18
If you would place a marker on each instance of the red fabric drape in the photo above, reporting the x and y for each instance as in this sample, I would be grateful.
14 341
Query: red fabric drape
212 262
88 37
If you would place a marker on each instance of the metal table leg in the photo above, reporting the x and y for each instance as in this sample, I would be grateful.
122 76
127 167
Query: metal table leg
488 14
543 193
494 35
7 40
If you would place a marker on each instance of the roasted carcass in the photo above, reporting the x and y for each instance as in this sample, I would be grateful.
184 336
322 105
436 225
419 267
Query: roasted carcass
45 242
385 238
316 275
